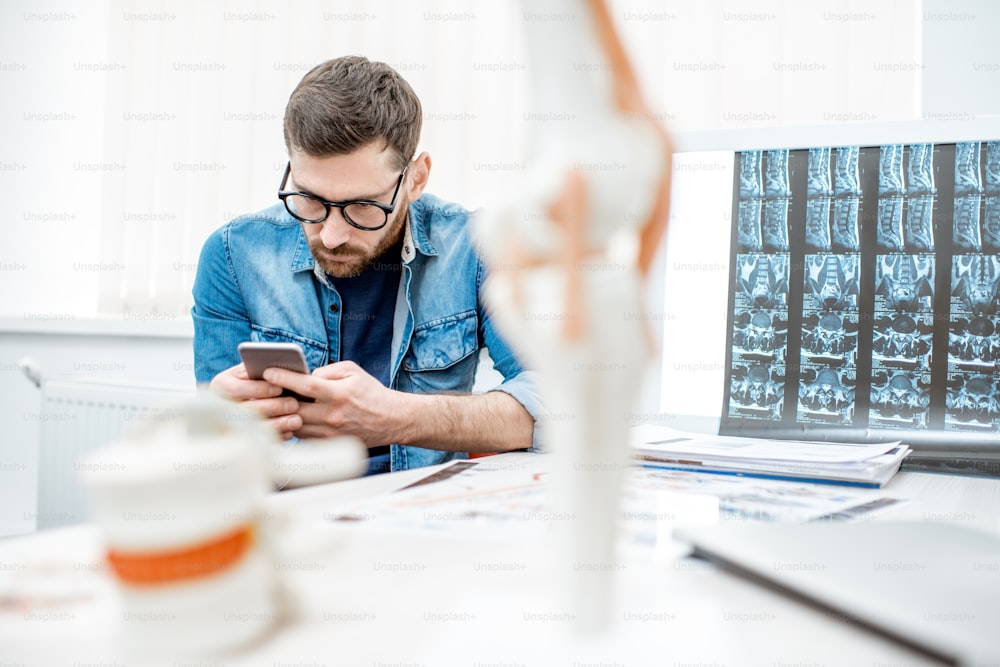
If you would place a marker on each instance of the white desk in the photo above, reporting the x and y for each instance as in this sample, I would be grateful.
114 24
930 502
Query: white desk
379 598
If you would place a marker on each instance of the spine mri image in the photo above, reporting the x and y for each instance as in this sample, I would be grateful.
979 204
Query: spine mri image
865 284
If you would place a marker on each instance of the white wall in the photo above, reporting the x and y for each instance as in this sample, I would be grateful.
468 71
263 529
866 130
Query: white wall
130 131
962 58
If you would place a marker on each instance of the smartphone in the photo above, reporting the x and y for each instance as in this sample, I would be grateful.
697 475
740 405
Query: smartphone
259 356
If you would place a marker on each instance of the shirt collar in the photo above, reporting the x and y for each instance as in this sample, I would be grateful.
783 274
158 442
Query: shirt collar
416 236
302 259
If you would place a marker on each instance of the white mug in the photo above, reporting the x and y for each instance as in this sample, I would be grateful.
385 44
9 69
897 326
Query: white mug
180 505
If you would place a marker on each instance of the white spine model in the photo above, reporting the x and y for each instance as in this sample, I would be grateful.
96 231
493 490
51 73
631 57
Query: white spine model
567 250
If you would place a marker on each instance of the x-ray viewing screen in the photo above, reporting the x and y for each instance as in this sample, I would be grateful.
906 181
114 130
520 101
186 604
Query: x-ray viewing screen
864 291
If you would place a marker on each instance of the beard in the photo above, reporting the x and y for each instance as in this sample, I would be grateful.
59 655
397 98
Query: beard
351 261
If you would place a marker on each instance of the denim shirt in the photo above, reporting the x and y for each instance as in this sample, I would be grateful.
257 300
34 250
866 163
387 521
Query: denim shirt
255 281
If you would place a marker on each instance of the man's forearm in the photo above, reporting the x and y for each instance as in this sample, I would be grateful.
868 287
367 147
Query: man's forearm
490 422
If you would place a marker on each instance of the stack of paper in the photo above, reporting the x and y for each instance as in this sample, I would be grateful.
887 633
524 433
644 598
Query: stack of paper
869 465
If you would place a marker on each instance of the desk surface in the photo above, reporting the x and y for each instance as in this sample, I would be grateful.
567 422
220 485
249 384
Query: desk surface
380 598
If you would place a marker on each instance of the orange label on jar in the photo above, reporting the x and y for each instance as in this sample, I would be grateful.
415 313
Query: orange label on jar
150 568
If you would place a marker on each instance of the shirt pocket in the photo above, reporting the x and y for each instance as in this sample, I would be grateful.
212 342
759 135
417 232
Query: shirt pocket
442 355
315 353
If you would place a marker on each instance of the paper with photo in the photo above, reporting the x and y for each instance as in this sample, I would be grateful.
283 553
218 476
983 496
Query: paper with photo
515 502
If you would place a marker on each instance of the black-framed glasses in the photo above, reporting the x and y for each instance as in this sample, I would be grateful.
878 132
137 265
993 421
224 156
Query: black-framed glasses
361 213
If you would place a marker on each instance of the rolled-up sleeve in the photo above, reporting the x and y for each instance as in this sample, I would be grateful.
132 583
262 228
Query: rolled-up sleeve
524 388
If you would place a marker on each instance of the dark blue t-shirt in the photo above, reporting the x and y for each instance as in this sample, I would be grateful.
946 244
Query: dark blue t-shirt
366 308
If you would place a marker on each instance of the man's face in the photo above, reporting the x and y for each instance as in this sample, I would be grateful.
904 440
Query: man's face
341 250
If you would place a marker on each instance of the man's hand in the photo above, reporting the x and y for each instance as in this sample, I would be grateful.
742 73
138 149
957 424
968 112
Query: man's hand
349 401
262 396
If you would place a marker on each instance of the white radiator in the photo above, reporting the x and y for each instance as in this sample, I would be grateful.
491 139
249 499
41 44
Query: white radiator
78 416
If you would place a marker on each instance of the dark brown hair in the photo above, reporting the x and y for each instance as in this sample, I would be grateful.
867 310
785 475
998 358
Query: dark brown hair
346 103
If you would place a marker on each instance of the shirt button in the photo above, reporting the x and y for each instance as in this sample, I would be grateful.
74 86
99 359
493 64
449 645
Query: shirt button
334 308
